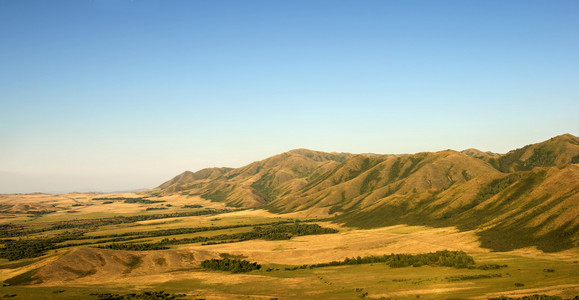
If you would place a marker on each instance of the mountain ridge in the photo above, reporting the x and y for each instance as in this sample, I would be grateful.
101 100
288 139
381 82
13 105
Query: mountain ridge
467 189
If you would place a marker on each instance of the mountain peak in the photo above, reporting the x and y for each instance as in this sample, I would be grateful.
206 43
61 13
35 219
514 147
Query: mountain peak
565 137
301 151
559 150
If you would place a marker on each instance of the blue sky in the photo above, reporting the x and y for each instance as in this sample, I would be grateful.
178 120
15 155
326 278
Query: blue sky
105 95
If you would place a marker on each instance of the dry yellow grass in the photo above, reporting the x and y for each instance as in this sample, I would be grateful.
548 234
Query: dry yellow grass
324 248
570 255
36 263
570 289
441 290
93 266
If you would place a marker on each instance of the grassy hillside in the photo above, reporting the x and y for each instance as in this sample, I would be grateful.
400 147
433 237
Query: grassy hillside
510 211
362 180
258 182
525 197
184 180
557 151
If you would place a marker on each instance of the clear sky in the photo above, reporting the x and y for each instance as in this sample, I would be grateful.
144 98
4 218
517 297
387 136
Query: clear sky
107 95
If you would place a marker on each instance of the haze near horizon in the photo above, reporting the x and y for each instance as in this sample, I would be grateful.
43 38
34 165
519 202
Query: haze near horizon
117 94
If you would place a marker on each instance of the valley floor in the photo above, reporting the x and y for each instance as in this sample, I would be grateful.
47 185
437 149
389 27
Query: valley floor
76 272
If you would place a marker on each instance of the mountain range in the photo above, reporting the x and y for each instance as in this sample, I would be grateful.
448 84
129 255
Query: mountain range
526 197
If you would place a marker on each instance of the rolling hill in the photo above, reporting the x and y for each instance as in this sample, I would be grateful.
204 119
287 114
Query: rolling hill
559 150
526 197
257 183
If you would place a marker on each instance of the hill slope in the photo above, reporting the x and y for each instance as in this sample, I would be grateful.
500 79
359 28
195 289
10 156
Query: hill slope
361 180
93 265
526 208
562 149
186 179
527 196
258 182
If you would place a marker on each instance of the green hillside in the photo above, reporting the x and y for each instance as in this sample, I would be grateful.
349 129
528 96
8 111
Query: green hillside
257 183
510 211
362 180
526 197
557 151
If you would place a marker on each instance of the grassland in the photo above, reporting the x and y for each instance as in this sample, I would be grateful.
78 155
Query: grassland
75 272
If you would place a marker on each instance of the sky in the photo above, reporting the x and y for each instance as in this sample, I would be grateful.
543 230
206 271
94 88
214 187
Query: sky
113 95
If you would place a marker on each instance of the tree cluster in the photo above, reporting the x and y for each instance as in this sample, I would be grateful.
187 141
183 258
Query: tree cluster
143 201
532 297
287 231
231 265
456 259
134 246
192 206
131 200
488 267
10 230
29 248
15 249
275 231
472 277
33 247
148 295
